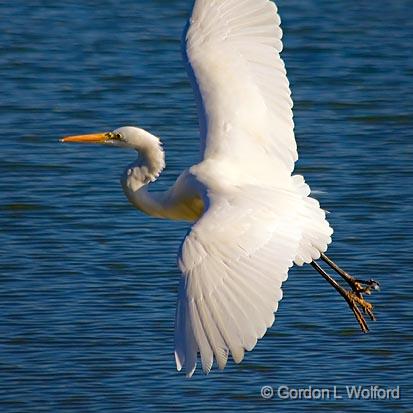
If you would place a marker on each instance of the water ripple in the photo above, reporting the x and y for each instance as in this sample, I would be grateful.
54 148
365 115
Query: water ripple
88 285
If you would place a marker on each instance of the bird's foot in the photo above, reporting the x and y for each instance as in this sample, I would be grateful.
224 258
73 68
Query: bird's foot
356 300
363 287
354 296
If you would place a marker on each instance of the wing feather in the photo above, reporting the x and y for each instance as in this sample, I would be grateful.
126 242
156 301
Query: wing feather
233 262
315 230
258 219
232 52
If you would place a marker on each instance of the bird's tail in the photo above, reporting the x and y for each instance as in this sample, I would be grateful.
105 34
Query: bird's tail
316 231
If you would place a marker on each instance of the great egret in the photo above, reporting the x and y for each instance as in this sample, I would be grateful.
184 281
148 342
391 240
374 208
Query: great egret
252 219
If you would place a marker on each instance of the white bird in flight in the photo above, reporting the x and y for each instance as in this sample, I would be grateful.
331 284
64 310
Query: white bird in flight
252 219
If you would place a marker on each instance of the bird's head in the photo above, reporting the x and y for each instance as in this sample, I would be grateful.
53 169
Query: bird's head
126 137
149 147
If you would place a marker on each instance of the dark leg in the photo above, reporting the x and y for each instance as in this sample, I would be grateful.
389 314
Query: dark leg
358 286
349 296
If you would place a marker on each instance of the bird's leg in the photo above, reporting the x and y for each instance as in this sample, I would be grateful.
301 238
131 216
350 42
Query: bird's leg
358 286
351 298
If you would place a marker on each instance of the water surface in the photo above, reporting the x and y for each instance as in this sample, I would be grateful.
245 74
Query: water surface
88 285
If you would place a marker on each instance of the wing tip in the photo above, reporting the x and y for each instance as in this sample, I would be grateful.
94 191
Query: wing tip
190 373
179 363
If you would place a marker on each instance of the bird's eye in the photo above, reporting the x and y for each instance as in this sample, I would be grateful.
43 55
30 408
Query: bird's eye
113 136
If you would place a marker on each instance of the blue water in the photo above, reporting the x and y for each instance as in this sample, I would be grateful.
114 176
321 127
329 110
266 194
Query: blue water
88 285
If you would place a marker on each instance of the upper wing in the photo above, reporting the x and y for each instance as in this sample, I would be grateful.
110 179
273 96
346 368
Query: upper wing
245 110
233 262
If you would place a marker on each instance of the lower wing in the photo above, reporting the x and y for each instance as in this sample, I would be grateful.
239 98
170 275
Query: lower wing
233 262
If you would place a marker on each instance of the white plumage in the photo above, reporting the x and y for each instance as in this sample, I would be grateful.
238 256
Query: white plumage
245 107
253 220
259 219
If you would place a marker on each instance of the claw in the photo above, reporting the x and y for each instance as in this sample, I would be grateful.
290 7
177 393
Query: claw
359 317
353 300
364 287
365 305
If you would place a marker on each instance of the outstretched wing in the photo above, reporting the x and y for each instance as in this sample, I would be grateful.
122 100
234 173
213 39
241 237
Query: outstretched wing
245 110
258 219
233 262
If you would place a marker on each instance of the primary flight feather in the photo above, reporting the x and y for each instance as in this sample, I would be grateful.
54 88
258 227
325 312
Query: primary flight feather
252 219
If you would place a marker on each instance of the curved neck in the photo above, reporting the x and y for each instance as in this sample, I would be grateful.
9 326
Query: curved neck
144 170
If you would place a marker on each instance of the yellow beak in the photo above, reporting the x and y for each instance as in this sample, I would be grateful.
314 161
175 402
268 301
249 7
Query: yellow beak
93 138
